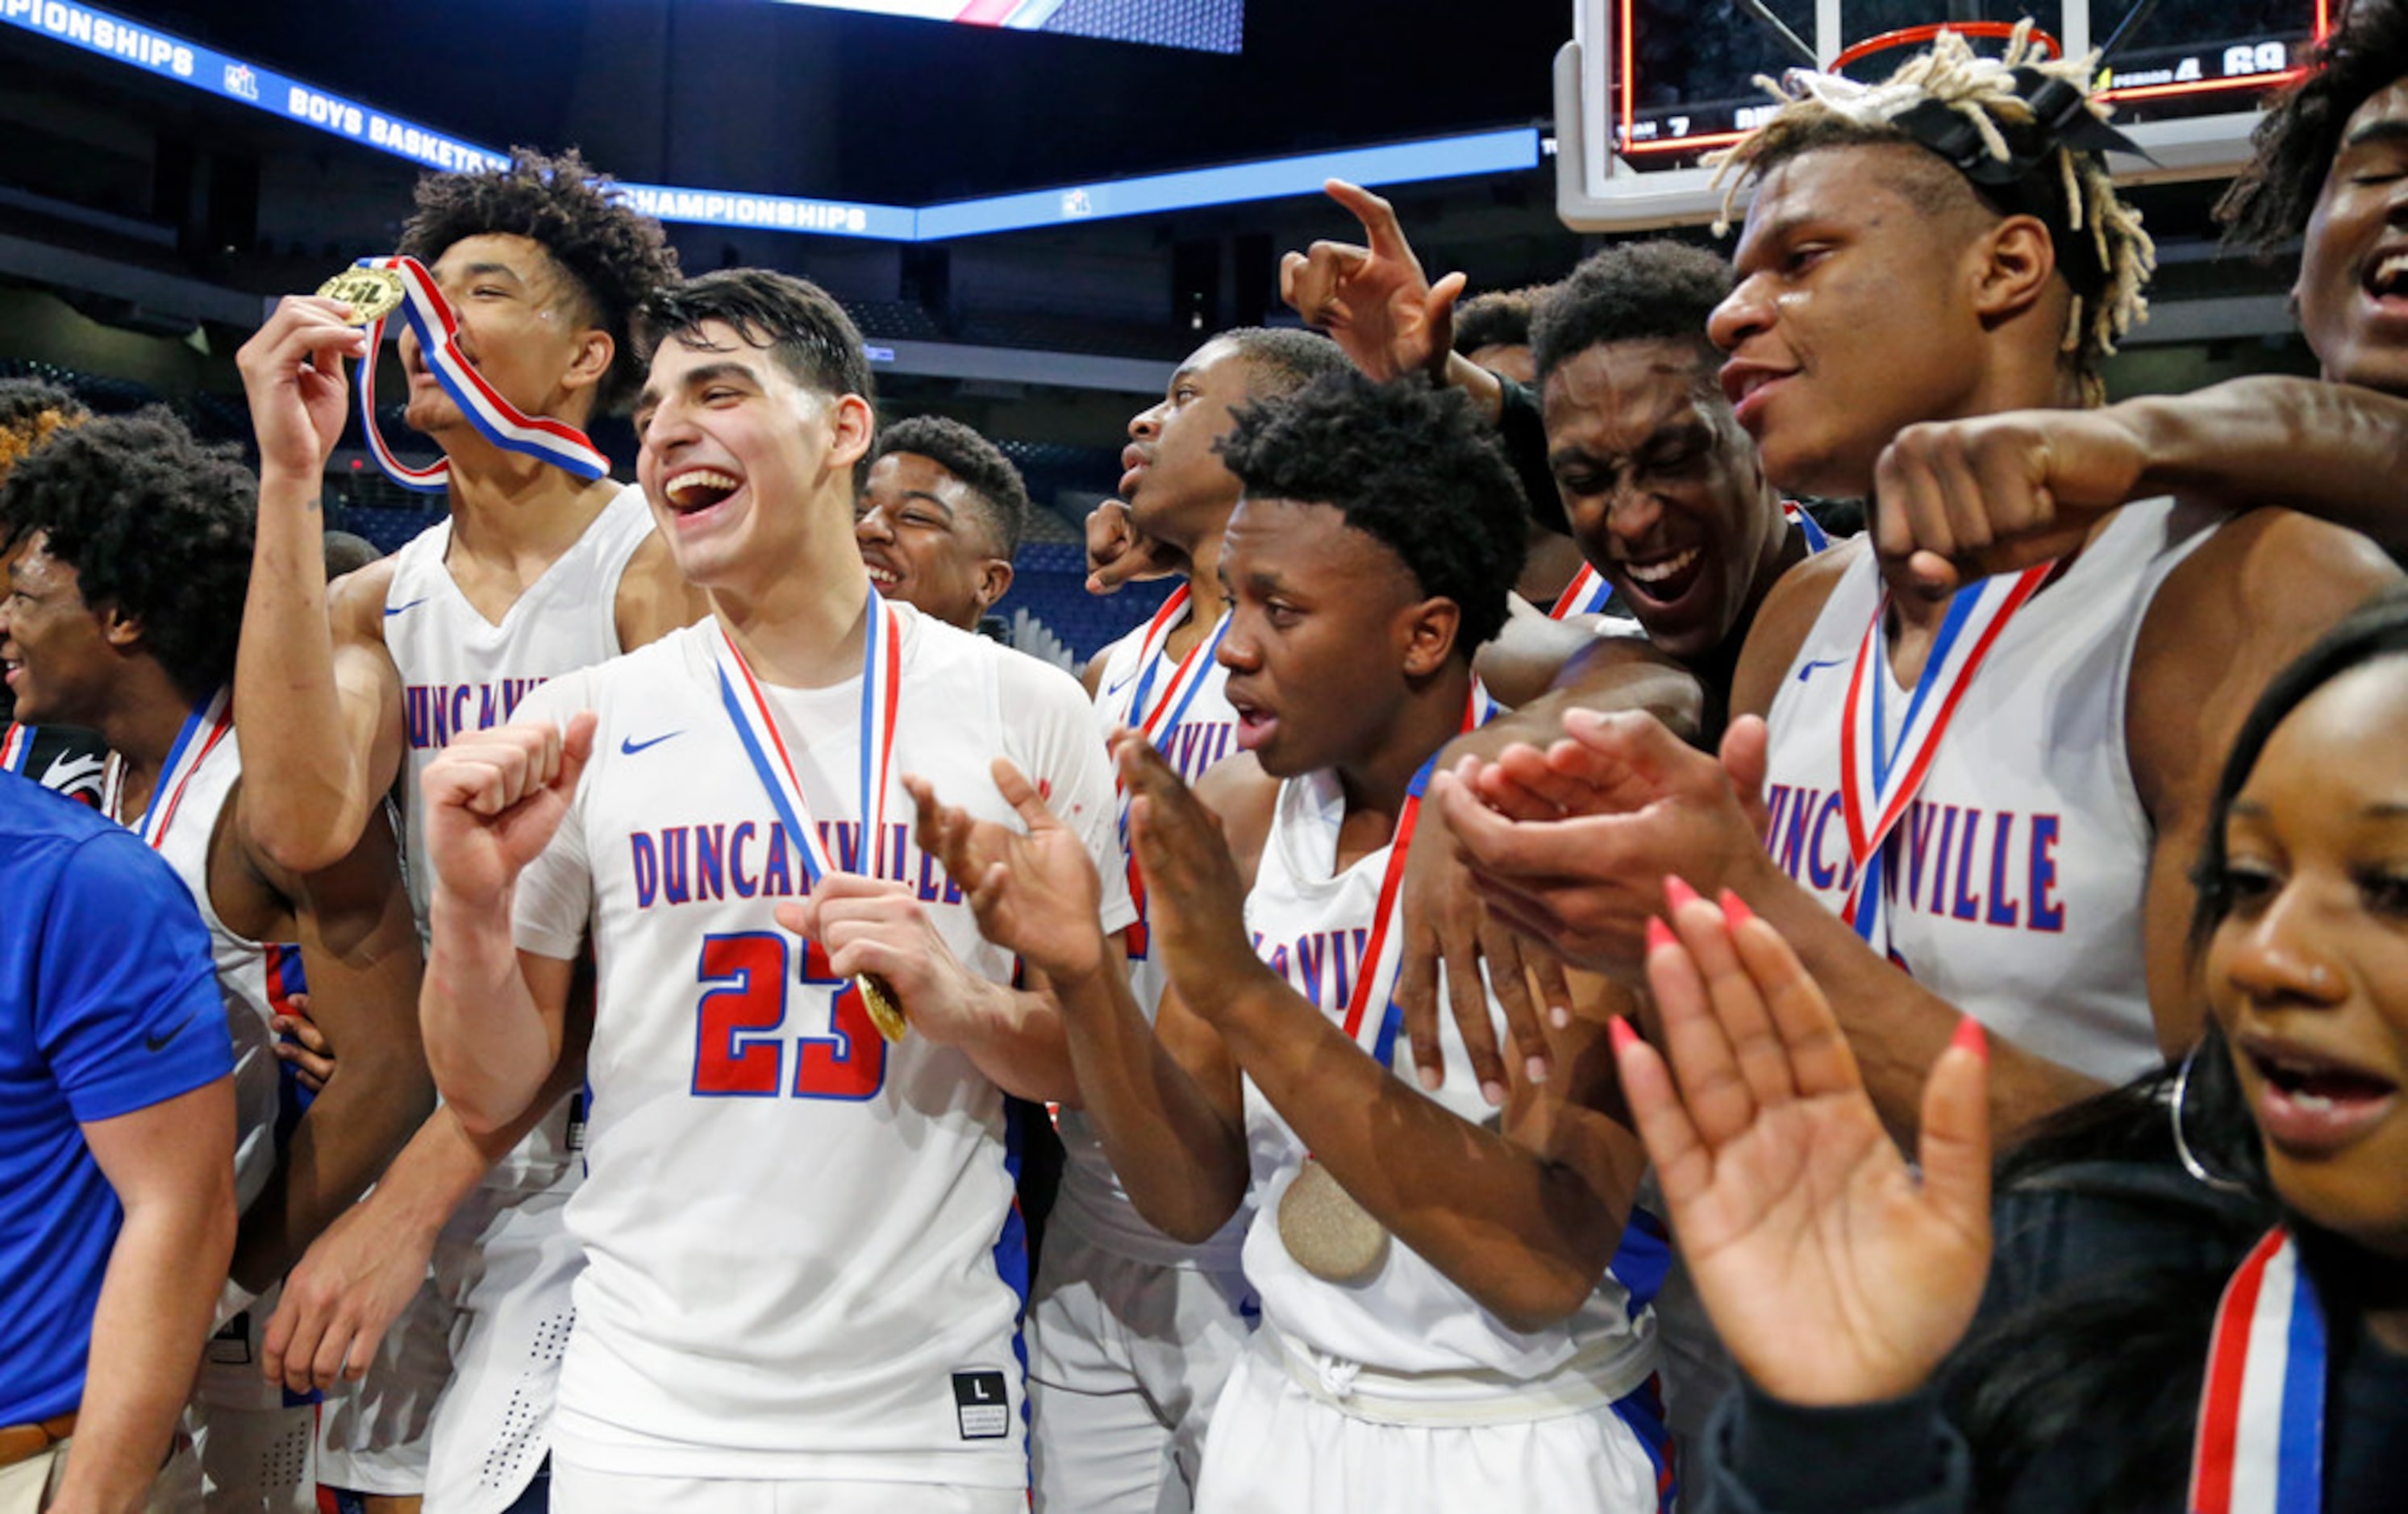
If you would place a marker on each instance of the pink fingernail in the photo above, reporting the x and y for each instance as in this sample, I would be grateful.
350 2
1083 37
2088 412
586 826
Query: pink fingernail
1970 1037
1618 1031
1734 910
1658 934
1677 892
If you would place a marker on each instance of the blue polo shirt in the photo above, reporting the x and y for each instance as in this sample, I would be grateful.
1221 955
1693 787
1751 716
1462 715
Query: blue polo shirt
109 1004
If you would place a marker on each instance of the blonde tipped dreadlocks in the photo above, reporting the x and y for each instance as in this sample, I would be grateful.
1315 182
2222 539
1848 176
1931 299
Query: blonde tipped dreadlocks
1818 110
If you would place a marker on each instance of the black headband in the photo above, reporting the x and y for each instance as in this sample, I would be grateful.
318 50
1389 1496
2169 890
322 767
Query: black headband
2020 183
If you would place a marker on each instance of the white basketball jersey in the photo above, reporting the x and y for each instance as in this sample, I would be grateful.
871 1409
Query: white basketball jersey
241 969
791 1227
461 672
2018 872
1091 1197
1312 924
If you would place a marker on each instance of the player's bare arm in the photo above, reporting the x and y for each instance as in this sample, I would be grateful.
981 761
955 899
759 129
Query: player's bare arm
314 689
1166 1098
1998 493
172 1165
360 1273
494 1016
359 947
1525 1219
2253 597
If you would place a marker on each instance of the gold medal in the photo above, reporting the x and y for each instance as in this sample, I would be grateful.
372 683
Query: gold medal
372 294
1330 1234
878 997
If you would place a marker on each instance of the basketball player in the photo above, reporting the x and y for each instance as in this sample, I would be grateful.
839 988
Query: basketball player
536 571
60 758
799 1285
2331 169
1894 269
117 1139
1131 1333
1485 1357
940 519
123 609
1661 488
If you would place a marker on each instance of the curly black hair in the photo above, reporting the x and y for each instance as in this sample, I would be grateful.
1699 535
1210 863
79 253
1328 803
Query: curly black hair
2271 200
156 524
798 322
31 410
1413 467
616 256
989 475
1634 292
1501 318
1281 360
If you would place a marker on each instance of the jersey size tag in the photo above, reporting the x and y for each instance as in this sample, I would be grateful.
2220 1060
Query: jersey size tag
984 1406
231 1345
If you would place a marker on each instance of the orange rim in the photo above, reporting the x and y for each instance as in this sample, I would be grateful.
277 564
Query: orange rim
1907 36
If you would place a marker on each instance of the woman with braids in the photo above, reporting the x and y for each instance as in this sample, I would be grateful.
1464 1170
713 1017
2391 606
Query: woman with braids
2198 1285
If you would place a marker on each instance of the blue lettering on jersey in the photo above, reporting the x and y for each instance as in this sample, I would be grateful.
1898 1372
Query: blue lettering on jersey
1992 868
434 713
1320 964
682 865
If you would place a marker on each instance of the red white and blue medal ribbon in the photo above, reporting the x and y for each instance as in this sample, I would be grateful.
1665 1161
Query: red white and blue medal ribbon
16 744
1877 782
1384 955
496 418
2261 1418
1159 722
1588 593
756 727
203 728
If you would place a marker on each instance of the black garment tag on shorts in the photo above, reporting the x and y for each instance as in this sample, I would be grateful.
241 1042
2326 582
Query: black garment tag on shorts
231 1345
983 1404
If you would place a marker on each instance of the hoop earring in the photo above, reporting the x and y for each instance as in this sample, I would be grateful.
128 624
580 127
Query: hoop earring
2191 1164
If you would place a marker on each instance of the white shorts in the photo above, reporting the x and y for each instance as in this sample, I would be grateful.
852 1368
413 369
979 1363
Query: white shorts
584 1491
489 1324
1278 1446
257 1452
1126 1360
492 1426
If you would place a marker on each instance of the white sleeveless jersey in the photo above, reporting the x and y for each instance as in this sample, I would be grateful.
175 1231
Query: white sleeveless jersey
2020 868
241 969
461 672
1091 1198
797 1257
1312 924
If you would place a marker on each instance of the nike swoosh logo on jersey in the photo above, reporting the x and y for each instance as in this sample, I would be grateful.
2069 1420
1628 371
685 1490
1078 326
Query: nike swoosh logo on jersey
1828 662
629 746
159 1043
391 610
69 772
1112 689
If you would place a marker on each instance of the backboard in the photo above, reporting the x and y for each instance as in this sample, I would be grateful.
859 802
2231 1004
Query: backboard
1647 86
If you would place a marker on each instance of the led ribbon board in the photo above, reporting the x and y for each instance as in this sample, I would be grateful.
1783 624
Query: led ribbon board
163 55
1205 25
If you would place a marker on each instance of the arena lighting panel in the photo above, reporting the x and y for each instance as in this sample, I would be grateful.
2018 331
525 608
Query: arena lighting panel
1646 85
1205 25
163 55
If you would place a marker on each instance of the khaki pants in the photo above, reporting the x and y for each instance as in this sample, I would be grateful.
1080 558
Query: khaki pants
28 1487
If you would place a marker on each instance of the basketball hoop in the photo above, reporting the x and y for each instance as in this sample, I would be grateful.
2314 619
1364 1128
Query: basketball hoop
1908 37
